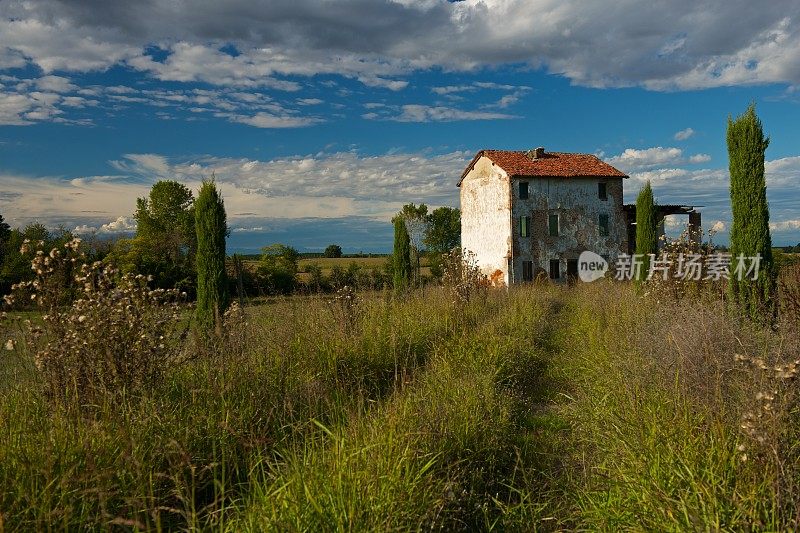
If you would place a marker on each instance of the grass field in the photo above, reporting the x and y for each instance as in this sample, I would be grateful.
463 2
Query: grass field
542 408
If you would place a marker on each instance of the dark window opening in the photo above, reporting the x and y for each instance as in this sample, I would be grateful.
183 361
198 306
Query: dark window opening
572 268
524 226
603 224
553 225
602 191
523 190
527 271
555 269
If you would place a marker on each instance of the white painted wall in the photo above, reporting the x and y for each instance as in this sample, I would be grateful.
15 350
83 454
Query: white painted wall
485 218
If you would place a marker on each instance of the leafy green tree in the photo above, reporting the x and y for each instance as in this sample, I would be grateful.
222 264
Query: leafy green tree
212 280
278 267
442 234
166 218
333 251
165 242
646 228
443 229
750 234
401 256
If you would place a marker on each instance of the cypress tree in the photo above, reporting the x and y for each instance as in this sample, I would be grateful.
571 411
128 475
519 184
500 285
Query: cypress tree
402 255
212 280
646 228
750 225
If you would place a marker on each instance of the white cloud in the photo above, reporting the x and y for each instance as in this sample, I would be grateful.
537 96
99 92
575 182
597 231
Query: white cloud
425 113
700 158
268 120
663 46
55 84
785 225
122 224
719 227
450 89
637 162
632 158
375 81
684 134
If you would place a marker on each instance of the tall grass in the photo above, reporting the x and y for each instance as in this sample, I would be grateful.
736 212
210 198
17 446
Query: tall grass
180 454
540 408
438 454
655 400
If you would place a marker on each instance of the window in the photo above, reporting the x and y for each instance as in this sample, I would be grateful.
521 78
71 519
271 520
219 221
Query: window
603 225
572 268
524 226
553 225
555 269
602 191
523 190
527 271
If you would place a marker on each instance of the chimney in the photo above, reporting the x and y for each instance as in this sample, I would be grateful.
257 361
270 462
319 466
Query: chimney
536 153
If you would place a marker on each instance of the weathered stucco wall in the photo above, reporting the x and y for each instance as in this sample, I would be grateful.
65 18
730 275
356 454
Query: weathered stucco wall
485 218
577 203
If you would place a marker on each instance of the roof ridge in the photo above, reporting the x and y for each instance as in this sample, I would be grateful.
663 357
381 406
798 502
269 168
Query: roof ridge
559 164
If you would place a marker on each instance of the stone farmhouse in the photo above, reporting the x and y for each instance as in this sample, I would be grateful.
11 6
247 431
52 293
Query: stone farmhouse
530 213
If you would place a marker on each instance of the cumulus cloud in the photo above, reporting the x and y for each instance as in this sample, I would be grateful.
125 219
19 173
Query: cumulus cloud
121 225
632 158
638 161
719 226
684 134
662 46
785 225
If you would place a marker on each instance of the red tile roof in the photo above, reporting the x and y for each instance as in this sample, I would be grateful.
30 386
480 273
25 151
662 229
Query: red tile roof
551 164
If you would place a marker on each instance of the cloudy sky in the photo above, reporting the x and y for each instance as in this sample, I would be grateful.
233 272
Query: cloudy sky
319 119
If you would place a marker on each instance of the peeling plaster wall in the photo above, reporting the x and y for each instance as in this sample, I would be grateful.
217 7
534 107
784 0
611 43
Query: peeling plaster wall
577 203
485 219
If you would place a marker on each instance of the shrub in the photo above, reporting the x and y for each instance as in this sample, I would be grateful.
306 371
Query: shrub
116 335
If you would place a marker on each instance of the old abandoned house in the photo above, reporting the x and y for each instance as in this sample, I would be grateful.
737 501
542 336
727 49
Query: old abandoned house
529 212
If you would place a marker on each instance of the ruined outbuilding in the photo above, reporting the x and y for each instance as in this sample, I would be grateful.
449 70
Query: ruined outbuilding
526 213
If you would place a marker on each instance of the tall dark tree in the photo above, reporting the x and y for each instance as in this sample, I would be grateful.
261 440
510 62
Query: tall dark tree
401 256
416 221
750 234
646 228
5 235
212 280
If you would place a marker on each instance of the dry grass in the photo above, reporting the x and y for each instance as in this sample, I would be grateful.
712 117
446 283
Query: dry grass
540 408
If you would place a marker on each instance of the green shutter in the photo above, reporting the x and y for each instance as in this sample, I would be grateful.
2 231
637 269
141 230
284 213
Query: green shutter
553 225
603 225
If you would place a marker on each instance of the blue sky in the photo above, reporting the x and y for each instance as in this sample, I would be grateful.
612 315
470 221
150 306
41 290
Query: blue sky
320 119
